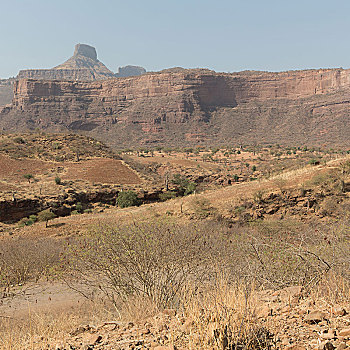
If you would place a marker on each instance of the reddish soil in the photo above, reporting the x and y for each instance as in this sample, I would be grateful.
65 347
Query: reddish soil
107 171
14 169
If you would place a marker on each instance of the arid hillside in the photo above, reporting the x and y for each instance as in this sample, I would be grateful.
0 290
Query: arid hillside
262 264
190 107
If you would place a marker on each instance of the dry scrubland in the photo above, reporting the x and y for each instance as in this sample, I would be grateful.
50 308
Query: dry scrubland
262 263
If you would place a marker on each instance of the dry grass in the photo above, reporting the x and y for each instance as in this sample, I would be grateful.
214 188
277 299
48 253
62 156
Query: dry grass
223 317
220 306
36 330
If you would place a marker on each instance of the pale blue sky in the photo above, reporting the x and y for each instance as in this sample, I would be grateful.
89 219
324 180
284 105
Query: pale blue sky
222 35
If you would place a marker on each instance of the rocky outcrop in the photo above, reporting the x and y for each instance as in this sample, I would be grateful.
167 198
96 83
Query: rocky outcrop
83 65
190 106
130 71
85 51
62 205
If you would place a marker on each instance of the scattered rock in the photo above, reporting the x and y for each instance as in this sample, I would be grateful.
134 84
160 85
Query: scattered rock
342 346
92 339
338 311
328 346
345 332
79 330
314 317
169 312
296 347
329 334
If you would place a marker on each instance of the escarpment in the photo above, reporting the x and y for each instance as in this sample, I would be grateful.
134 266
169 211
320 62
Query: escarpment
191 106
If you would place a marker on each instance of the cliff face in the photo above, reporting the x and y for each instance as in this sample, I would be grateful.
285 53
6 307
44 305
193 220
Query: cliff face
191 105
6 91
82 74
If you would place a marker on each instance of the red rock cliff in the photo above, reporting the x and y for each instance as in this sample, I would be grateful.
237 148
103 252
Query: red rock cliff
151 107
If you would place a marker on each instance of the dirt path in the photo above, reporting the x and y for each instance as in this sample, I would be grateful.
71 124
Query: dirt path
39 297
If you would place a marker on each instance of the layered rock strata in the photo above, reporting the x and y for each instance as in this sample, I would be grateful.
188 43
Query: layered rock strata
189 106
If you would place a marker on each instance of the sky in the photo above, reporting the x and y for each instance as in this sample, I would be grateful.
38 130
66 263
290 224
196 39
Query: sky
223 35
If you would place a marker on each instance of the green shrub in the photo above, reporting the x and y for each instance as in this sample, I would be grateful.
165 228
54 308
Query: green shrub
74 212
191 187
34 218
25 222
127 199
167 195
184 186
56 146
46 215
79 207
28 177
58 180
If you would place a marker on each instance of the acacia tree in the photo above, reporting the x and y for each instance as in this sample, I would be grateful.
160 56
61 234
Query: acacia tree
46 215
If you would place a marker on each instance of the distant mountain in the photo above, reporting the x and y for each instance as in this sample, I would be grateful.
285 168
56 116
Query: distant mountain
130 71
82 66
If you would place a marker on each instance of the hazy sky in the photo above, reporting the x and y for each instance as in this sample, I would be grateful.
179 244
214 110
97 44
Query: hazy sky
224 35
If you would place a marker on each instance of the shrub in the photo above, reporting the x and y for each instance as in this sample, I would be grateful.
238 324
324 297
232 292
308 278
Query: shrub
127 199
314 161
79 207
154 260
58 180
191 188
25 222
184 186
167 195
56 146
28 177
25 259
202 208
34 218
46 215
258 196
322 179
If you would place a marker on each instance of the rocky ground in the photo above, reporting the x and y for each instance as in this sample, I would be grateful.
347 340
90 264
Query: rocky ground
295 321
